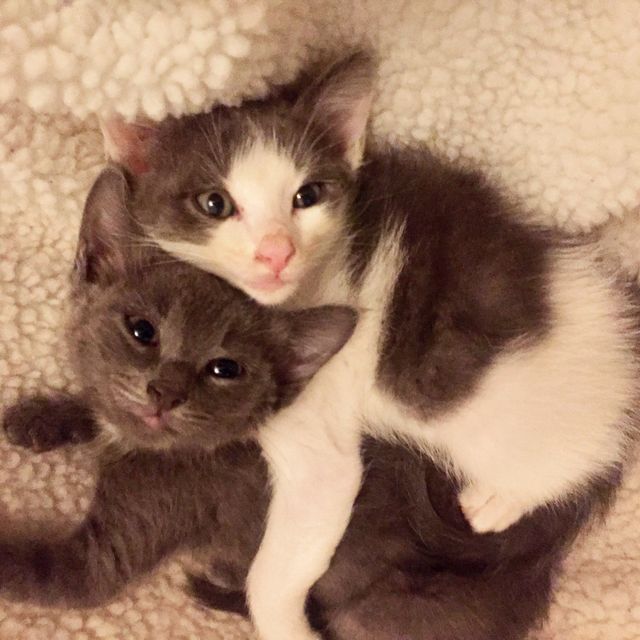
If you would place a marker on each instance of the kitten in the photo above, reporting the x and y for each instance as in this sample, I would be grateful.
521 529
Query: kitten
495 346
143 326
173 362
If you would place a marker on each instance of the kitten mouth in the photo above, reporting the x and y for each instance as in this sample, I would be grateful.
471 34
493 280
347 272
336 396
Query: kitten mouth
155 422
269 283
154 419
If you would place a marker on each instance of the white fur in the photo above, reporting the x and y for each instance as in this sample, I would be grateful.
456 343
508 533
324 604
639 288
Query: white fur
550 120
109 433
262 181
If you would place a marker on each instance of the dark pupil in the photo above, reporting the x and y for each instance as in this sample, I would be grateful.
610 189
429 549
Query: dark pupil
143 331
307 196
224 368
215 204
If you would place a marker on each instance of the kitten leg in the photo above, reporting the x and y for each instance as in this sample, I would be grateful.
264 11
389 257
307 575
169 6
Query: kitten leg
145 507
42 423
313 489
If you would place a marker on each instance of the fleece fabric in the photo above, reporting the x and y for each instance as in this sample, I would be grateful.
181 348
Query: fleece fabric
542 94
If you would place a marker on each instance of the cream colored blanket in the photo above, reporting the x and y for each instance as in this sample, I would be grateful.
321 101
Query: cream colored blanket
544 94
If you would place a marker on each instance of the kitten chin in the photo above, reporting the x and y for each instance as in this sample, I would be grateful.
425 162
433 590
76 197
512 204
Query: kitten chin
271 293
264 288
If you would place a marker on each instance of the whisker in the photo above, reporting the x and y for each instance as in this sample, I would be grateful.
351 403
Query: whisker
214 152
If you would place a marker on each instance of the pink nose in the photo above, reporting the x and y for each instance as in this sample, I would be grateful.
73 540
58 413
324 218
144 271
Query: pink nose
275 250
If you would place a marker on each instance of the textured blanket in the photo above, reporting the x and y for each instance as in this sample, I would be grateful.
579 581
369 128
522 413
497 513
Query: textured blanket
543 94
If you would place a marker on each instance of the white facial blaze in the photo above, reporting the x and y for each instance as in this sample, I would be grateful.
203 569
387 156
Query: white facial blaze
262 182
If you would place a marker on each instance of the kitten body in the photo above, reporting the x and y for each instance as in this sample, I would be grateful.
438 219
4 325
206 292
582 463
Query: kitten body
525 390
144 332
495 346
408 565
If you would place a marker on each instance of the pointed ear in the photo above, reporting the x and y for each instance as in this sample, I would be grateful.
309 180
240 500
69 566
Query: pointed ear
340 100
315 335
128 143
105 230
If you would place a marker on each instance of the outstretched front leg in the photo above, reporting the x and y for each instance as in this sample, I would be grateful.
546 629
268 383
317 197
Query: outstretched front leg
42 422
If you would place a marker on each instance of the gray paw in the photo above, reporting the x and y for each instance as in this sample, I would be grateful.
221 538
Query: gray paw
42 423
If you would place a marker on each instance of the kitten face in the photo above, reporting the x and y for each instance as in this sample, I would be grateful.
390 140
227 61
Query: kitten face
255 194
172 358
262 215
171 355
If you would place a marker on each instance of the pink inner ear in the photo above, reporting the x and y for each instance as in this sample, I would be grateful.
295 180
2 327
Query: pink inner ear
356 121
127 143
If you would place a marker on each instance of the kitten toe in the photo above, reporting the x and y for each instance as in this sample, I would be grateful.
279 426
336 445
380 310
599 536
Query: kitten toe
488 512
17 423
15 433
35 434
44 436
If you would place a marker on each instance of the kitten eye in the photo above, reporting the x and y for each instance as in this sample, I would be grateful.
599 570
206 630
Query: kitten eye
307 195
215 204
224 368
142 330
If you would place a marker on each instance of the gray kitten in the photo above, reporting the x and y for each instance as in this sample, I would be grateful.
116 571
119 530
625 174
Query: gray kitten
181 369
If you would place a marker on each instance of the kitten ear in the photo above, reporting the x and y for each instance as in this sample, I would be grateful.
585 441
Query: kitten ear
340 100
315 335
128 143
105 230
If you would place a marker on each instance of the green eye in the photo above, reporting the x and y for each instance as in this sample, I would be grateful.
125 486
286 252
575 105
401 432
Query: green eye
215 204
307 195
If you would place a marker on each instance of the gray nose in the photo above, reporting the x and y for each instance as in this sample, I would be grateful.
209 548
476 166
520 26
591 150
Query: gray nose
164 397
171 387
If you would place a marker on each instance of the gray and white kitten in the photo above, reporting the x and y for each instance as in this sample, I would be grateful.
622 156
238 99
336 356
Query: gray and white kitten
181 369
490 344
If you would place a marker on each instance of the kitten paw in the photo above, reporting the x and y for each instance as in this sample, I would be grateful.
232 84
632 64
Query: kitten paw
42 423
488 512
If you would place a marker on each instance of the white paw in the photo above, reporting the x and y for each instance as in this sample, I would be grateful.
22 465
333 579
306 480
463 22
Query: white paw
486 511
